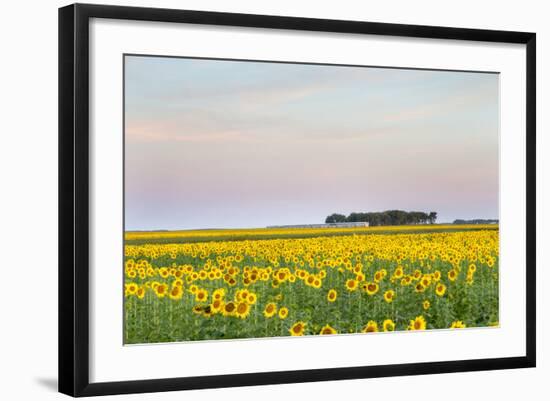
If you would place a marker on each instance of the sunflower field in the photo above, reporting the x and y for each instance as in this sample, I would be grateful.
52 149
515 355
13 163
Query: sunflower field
320 284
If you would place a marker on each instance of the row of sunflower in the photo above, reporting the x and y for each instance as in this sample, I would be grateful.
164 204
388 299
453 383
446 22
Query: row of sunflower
325 285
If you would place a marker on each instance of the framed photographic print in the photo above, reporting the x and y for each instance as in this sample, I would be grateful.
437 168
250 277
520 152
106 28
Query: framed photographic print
277 199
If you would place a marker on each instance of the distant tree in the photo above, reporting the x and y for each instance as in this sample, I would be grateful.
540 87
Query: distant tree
335 218
476 221
386 218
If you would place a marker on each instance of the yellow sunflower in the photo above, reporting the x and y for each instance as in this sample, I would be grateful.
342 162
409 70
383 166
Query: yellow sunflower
242 310
419 287
388 325
389 296
372 288
201 295
440 289
216 305
398 272
251 298
453 274
229 309
297 329
371 327
130 289
327 329
176 293
332 295
419 323
161 290
140 292
351 284
270 310
458 324
219 293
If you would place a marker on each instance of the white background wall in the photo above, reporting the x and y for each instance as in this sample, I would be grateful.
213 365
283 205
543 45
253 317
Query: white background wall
28 197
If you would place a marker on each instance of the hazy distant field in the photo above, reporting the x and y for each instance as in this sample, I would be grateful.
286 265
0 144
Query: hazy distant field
184 236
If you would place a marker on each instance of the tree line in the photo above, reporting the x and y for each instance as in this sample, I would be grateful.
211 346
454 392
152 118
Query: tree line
386 218
476 221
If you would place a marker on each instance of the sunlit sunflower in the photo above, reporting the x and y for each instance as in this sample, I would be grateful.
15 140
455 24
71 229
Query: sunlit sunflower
452 274
297 329
389 296
378 276
419 323
198 309
251 298
219 293
161 290
130 289
201 295
426 280
176 293
388 325
216 305
270 310
351 284
437 275
372 288
229 309
327 329
371 327
332 295
242 310
426 304
283 312
140 293
419 287
398 272
458 324
440 289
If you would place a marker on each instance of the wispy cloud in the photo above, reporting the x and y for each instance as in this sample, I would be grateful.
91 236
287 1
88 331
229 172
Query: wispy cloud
292 143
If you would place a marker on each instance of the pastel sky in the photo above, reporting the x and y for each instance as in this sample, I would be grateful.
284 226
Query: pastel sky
220 144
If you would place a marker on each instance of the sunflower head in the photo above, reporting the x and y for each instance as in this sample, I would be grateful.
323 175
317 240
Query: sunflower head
270 310
453 274
297 329
371 327
242 310
229 309
176 293
419 323
389 296
458 324
440 289
388 325
327 329
372 288
351 284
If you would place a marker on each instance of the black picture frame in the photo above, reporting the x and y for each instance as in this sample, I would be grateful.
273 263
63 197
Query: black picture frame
74 198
